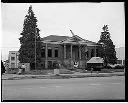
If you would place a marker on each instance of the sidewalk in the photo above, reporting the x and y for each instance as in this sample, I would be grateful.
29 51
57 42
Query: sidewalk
7 76
52 76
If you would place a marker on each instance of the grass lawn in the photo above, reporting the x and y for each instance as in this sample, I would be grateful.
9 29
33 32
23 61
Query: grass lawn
63 71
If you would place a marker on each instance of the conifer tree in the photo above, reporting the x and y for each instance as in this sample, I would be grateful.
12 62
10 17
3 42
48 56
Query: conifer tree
30 41
107 51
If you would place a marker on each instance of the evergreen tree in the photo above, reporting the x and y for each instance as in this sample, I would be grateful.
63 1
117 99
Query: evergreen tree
107 51
30 41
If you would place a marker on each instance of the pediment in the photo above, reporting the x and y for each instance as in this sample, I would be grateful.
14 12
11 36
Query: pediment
74 38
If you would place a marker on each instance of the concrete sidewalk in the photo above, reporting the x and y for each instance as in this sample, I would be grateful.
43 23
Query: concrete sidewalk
75 75
7 76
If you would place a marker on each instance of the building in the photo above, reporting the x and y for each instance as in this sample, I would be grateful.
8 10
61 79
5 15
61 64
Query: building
96 63
122 62
64 50
67 51
13 59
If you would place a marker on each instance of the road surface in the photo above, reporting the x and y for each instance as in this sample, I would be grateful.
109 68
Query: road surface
90 88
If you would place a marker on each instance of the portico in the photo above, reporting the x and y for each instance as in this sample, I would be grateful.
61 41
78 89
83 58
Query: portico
75 51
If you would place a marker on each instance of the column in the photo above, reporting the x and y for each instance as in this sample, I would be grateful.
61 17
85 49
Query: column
122 61
79 56
71 51
72 63
86 50
16 60
64 51
94 51
90 53
79 51
46 56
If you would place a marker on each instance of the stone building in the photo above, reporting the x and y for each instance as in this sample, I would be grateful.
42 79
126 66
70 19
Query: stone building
64 50
67 51
13 59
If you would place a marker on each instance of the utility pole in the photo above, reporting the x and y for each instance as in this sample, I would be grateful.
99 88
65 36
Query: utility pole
35 48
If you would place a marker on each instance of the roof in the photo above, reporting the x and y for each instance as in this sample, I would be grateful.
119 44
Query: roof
13 52
84 40
55 38
90 42
96 60
75 39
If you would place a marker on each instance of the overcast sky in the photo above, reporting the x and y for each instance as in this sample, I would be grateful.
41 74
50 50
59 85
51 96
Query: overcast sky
84 19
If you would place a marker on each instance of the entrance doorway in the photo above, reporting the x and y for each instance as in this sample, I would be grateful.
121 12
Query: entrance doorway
75 53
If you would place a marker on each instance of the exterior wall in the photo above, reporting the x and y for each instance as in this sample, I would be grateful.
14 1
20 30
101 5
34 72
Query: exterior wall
13 63
122 62
95 66
68 62
53 58
27 66
84 59
90 48
82 64
68 51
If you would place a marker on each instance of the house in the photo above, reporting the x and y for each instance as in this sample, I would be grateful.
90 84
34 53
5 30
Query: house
67 51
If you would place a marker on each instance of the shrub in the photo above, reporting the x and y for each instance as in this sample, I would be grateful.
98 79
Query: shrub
39 72
108 67
105 71
13 70
65 71
119 67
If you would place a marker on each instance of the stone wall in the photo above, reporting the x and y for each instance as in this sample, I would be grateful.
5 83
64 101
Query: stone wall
27 66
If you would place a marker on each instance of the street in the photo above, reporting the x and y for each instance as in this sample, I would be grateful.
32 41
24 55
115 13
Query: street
90 88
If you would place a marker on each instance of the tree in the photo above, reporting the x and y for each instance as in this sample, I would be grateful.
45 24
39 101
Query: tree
107 51
2 68
30 49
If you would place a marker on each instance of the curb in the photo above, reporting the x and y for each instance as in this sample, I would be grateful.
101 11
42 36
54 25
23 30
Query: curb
62 76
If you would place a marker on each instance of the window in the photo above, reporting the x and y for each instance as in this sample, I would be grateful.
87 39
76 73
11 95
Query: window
92 53
12 65
56 52
49 52
87 54
43 52
12 58
43 64
49 64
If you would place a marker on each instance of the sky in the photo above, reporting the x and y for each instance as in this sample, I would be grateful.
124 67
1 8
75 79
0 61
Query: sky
84 19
